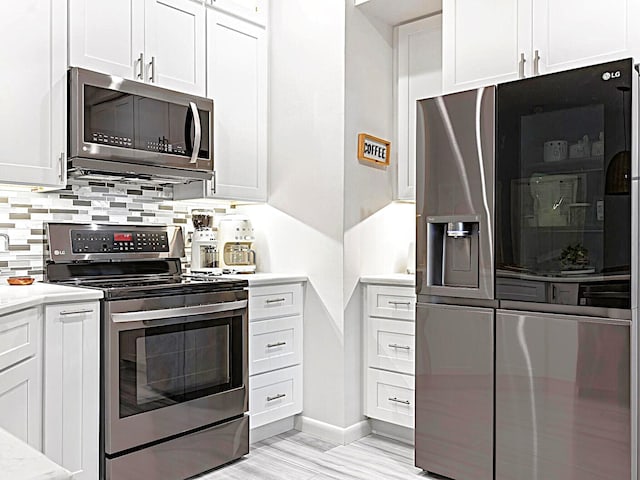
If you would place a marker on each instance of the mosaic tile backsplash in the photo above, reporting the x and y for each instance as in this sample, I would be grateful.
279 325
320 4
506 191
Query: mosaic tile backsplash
23 214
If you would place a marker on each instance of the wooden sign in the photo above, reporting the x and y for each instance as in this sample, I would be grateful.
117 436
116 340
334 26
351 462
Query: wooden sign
373 149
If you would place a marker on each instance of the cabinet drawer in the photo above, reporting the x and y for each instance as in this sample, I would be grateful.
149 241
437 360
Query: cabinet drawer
275 395
391 344
390 397
275 343
20 334
275 301
391 302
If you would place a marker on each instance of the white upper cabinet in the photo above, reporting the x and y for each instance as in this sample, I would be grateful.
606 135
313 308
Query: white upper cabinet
575 33
157 41
33 85
487 43
252 10
419 59
237 82
483 41
175 44
107 37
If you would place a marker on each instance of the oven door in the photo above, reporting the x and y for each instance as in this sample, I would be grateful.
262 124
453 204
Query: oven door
173 364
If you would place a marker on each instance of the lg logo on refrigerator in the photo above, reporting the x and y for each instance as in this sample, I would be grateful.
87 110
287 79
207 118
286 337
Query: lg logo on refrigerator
609 75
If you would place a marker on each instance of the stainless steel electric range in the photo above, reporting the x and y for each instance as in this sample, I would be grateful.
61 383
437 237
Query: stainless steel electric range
174 358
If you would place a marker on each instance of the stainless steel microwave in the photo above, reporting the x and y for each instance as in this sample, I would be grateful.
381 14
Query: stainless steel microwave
124 129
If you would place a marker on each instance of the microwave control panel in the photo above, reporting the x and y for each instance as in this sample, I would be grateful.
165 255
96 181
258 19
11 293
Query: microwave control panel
90 241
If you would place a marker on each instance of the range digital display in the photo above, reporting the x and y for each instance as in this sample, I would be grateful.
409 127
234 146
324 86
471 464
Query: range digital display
122 237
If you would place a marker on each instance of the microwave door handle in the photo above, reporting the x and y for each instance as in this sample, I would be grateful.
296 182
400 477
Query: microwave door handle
198 132
172 314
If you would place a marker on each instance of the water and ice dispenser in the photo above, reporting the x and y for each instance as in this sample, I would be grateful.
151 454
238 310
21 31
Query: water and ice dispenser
453 251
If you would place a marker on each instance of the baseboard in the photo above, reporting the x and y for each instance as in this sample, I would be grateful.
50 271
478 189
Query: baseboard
332 433
271 429
397 432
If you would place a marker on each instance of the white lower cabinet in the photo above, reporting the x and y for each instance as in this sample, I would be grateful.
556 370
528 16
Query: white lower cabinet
21 375
21 401
391 397
71 387
275 352
275 395
389 331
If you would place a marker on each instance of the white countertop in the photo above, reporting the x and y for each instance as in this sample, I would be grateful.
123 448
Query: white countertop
19 461
17 297
259 279
394 279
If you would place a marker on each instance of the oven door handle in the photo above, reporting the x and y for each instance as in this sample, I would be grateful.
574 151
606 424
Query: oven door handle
151 315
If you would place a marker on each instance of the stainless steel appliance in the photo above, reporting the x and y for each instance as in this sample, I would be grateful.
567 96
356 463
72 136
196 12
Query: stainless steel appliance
454 283
526 278
174 368
123 129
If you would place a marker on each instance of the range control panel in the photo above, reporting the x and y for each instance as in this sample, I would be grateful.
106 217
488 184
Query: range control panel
87 241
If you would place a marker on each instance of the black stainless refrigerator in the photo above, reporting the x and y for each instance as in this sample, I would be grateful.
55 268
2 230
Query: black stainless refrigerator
527 240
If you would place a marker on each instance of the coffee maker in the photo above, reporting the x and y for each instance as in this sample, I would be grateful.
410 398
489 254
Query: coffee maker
204 245
235 239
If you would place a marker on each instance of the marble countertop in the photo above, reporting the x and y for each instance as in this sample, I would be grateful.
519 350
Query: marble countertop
393 279
259 279
17 297
20 461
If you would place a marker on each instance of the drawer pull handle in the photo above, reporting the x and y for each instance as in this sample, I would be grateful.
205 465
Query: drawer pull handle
75 312
276 397
403 347
396 400
391 302
277 344
274 300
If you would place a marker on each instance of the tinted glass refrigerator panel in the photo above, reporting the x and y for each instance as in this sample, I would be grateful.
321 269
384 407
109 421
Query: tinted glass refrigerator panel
121 119
563 162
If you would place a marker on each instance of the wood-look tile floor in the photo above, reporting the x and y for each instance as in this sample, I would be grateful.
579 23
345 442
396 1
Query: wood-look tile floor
298 456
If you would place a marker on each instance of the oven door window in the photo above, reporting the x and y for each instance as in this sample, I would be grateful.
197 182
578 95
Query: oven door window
167 365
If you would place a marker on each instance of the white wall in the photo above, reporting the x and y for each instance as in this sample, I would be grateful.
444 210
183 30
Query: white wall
301 227
368 189
329 216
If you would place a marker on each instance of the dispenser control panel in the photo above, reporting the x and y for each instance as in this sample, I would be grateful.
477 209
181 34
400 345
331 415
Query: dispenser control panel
88 241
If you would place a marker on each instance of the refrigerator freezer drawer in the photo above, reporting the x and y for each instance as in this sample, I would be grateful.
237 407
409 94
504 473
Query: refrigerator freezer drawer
454 391
562 397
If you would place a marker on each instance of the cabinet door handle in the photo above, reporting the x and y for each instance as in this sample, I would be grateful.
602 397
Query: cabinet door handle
140 75
277 344
536 62
276 397
521 66
75 312
274 300
403 347
391 302
214 183
152 70
66 315
396 400
61 166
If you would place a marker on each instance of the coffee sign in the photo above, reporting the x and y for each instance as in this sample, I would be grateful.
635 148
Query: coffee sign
373 149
